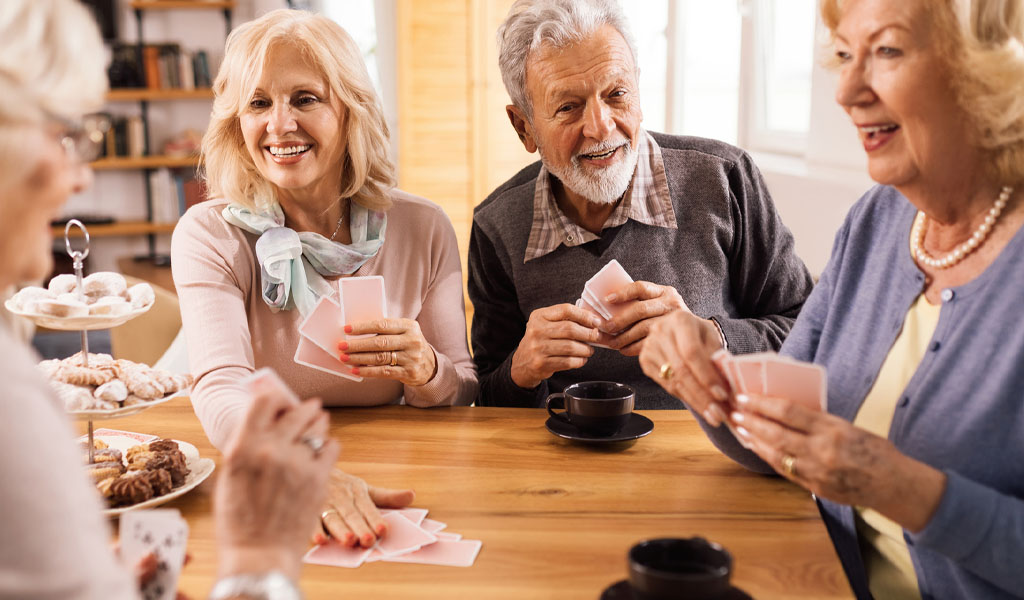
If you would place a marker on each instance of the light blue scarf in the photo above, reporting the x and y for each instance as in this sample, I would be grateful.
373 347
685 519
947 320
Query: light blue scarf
288 281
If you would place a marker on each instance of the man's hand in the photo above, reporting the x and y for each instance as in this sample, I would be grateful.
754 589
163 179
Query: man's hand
557 338
632 327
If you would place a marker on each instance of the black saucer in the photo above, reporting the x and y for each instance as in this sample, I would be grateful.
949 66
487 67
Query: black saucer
637 427
622 591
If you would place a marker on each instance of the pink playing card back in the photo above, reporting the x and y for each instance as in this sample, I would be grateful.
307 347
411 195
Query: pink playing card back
362 299
311 355
416 515
334 554
451 553
324 326
798 381
611 278
402 535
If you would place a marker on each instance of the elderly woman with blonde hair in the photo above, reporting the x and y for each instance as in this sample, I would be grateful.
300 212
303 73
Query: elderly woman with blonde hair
916 465
296 161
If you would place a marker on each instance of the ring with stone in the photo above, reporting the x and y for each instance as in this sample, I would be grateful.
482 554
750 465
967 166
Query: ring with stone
316 444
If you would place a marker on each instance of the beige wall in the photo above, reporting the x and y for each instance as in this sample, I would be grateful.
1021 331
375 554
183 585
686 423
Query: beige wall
455 142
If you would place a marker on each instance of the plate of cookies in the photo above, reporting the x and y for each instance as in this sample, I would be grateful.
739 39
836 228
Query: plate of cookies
110 388
133 471
105 301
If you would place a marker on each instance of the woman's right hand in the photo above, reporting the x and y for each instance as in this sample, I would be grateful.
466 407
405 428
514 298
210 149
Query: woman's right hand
271 485
350 514
677 355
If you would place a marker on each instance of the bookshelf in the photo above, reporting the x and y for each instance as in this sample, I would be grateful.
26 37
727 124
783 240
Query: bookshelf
148 163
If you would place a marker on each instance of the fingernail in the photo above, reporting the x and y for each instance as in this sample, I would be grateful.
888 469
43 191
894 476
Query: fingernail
355 370
368 540
348 539
718 412
611 298
342 346
742 398
381 529
719 393
319 539
348 329
710 417
344 357
737 417
742 431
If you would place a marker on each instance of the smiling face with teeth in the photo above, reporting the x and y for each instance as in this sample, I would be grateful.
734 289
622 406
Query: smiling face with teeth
895 85
294 131
586 116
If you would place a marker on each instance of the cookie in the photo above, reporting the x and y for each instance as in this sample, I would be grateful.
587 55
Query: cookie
62 284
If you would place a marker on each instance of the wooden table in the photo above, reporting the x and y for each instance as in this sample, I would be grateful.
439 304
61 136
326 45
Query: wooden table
556 518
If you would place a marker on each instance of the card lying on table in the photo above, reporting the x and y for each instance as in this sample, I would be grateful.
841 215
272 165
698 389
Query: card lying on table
410 538
164 533
362 299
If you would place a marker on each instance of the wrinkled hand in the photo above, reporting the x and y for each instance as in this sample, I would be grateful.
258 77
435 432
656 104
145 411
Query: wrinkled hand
686 343
634 325
271 485
398 341
350 514
838 461
557 339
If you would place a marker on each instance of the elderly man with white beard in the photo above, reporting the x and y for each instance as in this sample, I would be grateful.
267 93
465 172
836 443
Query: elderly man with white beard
688 218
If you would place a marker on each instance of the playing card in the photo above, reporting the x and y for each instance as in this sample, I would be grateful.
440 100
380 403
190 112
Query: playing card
267 378
605 338
402 535
451 553
451 537
726 363
611 278
362 299
750 373
164 533
141 438
334 554
798 381
325 326
595 304
313 356
416 515
432 526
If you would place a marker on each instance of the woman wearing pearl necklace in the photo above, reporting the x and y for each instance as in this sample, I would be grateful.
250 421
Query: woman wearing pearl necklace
916 465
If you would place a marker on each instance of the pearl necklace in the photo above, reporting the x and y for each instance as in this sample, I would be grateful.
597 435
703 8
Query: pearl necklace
960 252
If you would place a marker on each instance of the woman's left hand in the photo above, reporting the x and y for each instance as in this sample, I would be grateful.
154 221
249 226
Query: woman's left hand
838 461
398 351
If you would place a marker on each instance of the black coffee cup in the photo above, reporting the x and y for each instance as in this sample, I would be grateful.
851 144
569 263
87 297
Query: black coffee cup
595 407
666 568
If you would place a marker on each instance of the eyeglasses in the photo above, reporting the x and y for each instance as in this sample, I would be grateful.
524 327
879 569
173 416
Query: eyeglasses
83 140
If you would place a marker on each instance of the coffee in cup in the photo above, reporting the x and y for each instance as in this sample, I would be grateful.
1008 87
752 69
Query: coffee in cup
596 407
679 568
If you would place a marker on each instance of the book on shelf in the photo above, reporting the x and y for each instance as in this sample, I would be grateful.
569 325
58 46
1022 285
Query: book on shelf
158 67
173 191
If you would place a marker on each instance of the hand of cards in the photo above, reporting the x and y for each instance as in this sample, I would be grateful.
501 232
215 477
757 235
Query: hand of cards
410 538
768 374
362 299
611 278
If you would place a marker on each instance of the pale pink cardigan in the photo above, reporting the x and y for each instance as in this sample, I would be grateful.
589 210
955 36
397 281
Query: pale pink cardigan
230 331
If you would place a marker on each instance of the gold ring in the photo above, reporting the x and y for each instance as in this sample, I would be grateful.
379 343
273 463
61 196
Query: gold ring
323 515
316 444
789 465
665 371
394 358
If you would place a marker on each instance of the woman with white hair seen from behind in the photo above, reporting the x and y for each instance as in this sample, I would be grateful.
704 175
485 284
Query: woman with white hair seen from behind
296 160
916 464
55 541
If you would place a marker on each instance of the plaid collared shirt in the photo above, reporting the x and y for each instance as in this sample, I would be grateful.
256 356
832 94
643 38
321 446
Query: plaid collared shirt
646 200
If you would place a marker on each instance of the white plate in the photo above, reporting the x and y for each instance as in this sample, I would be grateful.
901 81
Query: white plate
199 469
87 323
98 414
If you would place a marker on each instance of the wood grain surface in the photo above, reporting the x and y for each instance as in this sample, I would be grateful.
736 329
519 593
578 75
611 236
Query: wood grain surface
556 518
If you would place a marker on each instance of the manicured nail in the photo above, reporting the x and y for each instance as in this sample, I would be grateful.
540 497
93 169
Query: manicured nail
719 393
344 357
368 540
710 417
716 410
381 529
349 538
742 398
342 346
348 329
737 417
319 539
355 370
742 431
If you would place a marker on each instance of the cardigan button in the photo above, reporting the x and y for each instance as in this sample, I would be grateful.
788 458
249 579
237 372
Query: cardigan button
935 346
947 295
904 401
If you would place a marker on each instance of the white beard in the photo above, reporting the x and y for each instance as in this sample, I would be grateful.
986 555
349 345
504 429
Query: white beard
599 186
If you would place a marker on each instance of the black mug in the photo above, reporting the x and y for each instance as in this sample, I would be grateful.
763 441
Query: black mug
666 568
595 407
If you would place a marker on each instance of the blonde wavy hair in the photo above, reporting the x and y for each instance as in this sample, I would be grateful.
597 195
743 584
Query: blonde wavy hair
367 173
983 44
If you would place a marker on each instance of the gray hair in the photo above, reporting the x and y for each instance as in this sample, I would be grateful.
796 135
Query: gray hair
559 23
51 58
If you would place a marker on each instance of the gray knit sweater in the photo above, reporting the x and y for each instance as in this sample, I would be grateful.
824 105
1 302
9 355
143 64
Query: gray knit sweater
731 258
